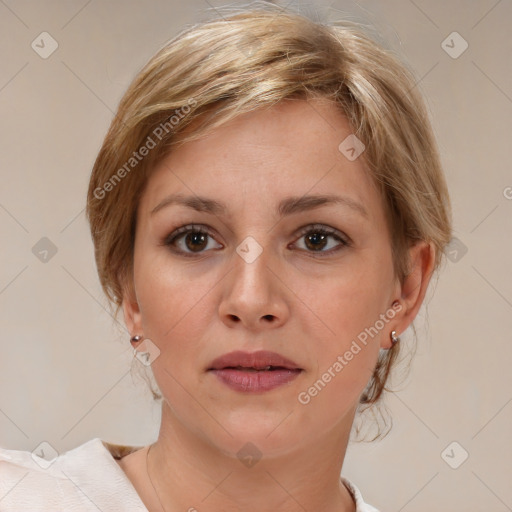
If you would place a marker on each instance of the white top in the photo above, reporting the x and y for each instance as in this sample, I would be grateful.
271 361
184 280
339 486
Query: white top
86 478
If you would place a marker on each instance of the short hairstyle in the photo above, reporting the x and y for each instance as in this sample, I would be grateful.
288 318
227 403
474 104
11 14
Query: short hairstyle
218 69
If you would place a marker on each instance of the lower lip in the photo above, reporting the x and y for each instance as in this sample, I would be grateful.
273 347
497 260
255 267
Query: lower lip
255 381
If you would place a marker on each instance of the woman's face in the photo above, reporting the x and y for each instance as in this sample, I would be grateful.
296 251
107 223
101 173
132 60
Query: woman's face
261 275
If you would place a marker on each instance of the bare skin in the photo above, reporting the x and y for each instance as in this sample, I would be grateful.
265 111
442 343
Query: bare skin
306 300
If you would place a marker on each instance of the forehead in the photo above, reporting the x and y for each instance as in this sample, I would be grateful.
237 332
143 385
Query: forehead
291 148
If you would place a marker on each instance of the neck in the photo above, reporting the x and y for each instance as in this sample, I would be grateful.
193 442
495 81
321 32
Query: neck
187 472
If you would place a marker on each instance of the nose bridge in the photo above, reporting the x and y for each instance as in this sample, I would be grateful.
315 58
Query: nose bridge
253 278
253 292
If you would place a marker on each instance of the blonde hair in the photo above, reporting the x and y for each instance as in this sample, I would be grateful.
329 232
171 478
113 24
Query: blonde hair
219 69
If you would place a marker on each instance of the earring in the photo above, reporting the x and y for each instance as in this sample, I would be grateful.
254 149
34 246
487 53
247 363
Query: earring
394 338
135 339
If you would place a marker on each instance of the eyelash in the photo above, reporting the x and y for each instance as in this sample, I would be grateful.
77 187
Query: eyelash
171 239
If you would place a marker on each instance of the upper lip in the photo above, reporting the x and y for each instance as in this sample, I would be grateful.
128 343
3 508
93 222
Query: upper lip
257 360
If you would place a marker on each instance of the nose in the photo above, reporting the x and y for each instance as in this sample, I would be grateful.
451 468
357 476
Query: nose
253 295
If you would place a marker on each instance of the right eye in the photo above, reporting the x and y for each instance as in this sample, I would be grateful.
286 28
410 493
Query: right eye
189 240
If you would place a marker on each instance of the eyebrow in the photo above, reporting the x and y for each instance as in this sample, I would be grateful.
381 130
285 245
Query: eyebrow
287 206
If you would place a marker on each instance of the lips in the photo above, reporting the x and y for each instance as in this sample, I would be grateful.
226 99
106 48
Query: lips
262 360
254 372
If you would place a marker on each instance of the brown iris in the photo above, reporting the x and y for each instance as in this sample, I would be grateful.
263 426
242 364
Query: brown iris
198 241
315 238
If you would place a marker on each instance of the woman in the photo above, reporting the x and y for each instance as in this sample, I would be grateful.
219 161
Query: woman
267 210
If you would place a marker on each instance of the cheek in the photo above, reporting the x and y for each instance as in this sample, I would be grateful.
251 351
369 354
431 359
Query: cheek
337 388
175 316
346 352
345 302
347 307
173 304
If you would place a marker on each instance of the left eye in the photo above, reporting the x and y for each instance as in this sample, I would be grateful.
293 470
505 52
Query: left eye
316 239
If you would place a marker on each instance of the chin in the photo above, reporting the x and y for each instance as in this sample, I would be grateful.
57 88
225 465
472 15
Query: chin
268 433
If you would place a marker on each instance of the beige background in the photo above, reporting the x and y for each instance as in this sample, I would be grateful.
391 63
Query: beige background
65 366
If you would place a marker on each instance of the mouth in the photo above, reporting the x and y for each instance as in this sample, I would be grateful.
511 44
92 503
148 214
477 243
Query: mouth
262 360
250 369
254 372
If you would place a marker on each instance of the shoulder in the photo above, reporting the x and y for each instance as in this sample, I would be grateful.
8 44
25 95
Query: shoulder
84 478
361 506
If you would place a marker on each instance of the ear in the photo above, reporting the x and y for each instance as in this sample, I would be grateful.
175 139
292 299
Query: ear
412 291
131 310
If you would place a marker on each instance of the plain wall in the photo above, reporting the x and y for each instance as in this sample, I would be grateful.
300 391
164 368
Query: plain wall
65 365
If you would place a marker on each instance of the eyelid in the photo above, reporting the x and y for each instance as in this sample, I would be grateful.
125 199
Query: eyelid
183 230
327 229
